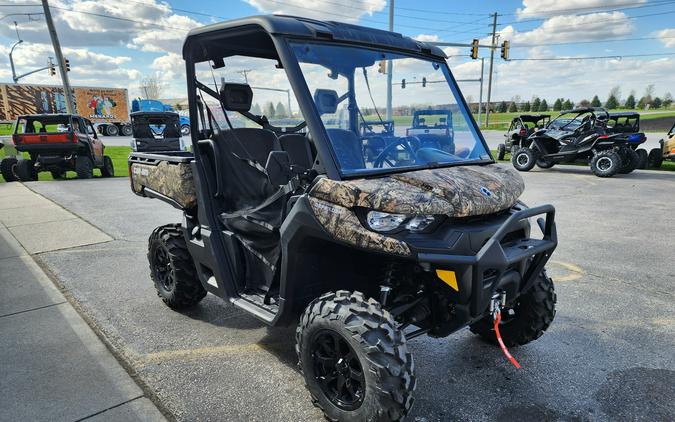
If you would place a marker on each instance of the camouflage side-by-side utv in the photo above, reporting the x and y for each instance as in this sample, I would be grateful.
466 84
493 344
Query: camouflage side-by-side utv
299 223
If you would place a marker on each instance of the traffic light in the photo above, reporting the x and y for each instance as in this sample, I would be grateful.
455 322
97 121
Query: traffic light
52 69
67 64
474 49
505 50
424 82
382 66
402 83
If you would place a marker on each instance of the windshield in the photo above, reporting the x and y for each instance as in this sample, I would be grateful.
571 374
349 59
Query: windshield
426 123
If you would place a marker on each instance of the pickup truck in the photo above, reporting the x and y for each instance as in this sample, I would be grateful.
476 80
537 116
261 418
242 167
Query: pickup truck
58 143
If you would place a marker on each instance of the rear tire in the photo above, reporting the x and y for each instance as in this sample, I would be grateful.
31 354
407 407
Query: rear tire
172 269
642 158
8 169
354 359
533 313
25 170
544 163
629 160
606 163
84 167
58 174
501 151
107 170
111 130
655 158
126 130
523 159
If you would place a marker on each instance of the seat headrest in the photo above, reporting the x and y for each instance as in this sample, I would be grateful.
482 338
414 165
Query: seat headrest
326 101
236 97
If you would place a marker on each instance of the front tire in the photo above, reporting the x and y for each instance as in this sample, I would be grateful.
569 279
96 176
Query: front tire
8 169
655 158
531 316
107 170
84 167
25 170
642 158
523 159
606 163
354 359
544 163
501 151
629 160
172 269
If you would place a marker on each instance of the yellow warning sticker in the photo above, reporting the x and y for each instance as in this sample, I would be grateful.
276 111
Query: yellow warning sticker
448 278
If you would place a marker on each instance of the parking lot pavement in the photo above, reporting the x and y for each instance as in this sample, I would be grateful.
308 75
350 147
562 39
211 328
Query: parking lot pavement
53 366
608 355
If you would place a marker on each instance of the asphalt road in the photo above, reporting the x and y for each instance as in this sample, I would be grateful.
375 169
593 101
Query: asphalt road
608 355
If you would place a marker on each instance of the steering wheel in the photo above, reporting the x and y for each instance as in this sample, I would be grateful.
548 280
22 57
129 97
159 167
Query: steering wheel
403 142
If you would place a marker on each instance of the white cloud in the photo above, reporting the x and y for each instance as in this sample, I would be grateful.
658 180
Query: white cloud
534 8
427 37
667 37
347 11
594 26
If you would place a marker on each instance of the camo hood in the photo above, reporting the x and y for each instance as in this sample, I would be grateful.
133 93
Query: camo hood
454 191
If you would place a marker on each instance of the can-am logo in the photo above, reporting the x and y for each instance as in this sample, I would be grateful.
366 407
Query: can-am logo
485 191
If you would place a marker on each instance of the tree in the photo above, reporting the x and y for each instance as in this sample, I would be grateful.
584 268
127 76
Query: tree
270 110
558 104
585 103
536 103
567 105
667 100
513 107
611 103
595 102
281 110
657 102
526 106
616 93
630 102
543 106
501 108
642 104
150 87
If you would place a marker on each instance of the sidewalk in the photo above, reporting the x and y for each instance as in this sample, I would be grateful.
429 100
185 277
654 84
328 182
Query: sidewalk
53 367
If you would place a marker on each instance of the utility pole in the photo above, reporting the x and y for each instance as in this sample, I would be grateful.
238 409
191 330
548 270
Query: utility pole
390 63
492 59
480 96
59 57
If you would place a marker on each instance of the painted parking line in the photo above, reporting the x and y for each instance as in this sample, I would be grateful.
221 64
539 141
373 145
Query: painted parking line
574 272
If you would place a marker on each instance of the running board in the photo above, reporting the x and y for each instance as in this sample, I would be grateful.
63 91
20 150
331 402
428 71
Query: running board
251 304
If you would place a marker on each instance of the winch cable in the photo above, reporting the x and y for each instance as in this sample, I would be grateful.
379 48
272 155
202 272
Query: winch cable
498 319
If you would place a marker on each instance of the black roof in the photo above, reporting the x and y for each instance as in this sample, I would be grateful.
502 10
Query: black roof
624 114
532 117
300 27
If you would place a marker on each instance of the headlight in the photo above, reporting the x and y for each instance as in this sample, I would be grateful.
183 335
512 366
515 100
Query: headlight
385 222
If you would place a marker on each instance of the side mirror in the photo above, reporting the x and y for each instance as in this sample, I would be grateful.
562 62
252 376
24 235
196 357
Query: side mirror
278 168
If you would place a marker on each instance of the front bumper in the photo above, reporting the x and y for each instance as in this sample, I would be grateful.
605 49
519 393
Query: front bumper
501 264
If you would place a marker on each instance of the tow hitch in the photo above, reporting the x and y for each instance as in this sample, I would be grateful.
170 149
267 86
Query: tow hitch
497 303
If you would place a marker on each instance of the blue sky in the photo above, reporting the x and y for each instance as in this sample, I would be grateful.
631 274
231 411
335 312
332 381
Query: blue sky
114 52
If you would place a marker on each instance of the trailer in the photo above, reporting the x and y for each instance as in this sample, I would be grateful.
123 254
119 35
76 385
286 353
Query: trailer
106 108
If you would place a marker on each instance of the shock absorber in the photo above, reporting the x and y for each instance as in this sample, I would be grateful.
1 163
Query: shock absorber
387 281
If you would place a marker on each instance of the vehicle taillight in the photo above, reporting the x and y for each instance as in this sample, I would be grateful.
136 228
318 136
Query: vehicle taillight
73 138
522 132
15 138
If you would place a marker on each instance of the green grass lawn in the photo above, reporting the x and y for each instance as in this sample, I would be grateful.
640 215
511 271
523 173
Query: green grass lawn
118 155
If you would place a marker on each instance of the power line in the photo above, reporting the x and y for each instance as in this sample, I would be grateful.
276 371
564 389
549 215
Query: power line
616 57
612 7
665 3
590 42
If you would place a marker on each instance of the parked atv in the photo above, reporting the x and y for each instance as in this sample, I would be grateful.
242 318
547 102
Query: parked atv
299 223
628 125
155 131
665 152
58 143
580 134
521 127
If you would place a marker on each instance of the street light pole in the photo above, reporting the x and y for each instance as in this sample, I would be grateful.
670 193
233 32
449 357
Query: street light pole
492 59
480 96
390 63
11 61
59 57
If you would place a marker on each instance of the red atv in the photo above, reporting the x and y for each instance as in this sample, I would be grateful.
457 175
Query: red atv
58 143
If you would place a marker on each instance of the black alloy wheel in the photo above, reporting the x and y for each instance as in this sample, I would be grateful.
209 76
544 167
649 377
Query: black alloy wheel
337 370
